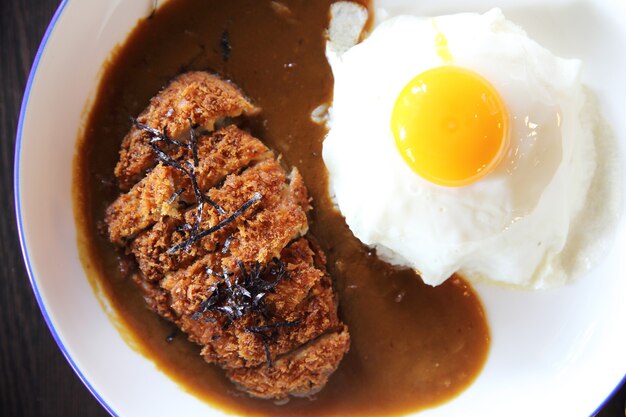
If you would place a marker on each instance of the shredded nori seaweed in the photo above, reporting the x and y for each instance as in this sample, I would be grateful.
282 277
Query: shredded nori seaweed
225 45
175 195
227 243
189 170
238 294
235 294
170 337
157 136
268 333
197 234
193 143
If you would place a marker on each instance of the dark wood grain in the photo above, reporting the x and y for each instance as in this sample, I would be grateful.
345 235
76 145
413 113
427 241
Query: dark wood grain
35 379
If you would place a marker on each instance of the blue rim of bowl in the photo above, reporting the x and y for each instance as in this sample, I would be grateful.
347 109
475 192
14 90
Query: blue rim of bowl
20 230
18 210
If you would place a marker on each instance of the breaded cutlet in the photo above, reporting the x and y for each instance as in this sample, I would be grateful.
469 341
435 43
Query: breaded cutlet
218 228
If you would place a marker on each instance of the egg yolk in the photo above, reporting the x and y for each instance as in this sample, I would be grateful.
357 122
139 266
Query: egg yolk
450 126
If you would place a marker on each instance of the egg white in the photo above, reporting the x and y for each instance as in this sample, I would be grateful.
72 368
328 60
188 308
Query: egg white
510 227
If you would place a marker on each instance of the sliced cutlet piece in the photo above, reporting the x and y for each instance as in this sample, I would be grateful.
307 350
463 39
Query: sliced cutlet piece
316 315
304 299
279 218
151 247
300 373
228 151
160 192
304 272
146 203
259 234
156 298
193 98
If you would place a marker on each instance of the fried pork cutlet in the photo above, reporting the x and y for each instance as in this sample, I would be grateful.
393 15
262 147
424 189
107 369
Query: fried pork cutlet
218 229
194 98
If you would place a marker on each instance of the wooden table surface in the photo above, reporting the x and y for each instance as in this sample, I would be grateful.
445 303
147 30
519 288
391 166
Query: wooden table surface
35 379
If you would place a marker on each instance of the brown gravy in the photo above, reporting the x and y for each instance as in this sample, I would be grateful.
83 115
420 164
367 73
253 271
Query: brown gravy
413 346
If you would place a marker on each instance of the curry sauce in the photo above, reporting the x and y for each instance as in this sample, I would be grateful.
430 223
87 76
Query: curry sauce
413 346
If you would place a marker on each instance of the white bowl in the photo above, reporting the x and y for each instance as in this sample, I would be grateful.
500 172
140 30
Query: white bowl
558 352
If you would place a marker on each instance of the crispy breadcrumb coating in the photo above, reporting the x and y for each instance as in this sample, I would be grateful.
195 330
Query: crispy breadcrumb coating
286 337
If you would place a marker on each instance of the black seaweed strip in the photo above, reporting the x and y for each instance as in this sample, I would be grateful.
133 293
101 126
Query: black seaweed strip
175 195
193 143
170 337
244 294
225 45
227 243
157 136
194 238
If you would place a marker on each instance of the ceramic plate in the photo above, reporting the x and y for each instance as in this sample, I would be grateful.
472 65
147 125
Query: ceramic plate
557 352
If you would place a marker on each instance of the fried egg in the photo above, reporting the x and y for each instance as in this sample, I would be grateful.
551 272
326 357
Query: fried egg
459 145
